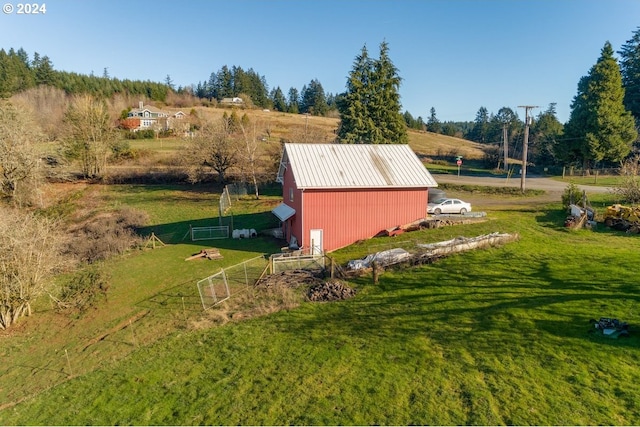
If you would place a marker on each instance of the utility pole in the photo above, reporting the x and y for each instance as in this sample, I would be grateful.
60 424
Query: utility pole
505 148
525 144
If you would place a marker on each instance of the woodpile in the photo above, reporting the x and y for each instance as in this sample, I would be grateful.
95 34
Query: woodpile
211 253
330 291
317 288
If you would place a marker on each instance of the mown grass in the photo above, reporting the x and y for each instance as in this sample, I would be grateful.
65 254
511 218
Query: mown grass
498 336
603 180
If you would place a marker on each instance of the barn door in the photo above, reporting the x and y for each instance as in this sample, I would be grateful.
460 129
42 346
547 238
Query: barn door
315 237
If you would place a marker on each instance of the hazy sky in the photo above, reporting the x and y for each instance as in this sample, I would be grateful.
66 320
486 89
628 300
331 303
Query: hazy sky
454 55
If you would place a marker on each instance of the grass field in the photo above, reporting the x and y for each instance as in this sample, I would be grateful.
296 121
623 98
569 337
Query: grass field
498 336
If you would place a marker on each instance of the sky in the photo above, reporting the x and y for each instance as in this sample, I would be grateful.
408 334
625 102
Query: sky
453 55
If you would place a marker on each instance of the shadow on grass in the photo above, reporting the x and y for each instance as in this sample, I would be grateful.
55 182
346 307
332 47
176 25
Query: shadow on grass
180 232
485 308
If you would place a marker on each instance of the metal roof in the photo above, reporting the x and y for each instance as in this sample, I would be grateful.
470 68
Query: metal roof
283 212
355 166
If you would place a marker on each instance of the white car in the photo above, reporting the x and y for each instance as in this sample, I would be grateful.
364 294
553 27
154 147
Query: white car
448 206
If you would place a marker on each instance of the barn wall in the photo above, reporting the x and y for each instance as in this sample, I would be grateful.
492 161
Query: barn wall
348 216
294 224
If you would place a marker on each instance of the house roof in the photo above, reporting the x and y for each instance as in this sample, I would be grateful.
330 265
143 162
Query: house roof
355 166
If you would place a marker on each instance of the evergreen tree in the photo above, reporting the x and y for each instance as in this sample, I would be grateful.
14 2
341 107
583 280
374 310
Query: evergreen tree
480 129
448 129
15 76
355 121
24 57
505 117
599 126
168 81
545 133
44 74
314 101
433 124
409 120
240 81
224 83
370 109
293 103
630 69
211 88
278 100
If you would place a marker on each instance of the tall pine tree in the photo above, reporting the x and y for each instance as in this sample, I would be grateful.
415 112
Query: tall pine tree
599 127
630 69
370 108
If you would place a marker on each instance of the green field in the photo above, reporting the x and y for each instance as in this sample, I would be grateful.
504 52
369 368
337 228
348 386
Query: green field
498 336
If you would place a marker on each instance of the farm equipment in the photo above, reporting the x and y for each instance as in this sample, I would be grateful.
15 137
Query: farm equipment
611 328
581 215
623 218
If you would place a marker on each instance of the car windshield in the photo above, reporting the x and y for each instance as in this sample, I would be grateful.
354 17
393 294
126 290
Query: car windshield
437 202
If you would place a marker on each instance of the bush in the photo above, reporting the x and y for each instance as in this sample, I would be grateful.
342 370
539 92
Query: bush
84 290
107 235
572 194
122 151
141 134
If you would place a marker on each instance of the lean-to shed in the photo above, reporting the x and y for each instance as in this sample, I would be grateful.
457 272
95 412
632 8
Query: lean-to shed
337 194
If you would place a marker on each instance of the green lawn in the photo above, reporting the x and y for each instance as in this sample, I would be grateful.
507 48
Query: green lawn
603 180
497 336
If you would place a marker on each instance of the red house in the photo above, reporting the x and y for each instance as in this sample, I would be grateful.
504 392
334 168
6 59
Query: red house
336 194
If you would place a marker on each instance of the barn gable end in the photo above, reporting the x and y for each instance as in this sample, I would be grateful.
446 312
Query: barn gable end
344 193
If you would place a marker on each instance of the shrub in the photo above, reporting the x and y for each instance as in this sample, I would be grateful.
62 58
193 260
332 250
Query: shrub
107 235
572 194
84 290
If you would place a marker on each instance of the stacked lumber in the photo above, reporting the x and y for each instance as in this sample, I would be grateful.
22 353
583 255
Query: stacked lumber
211 253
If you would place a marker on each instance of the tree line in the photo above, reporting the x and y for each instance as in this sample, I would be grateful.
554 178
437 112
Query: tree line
604 120
249 85
18 73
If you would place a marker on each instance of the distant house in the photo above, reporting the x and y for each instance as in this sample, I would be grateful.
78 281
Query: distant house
337 194
148 117
232 101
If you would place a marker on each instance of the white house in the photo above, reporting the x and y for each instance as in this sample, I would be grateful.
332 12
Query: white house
153 118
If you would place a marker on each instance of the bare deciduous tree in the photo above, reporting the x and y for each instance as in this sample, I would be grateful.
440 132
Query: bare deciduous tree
214 146
20 165
250 155
90 134
629 188
48 104
29 254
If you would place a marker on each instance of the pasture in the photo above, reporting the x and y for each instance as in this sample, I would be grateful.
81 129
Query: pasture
498 336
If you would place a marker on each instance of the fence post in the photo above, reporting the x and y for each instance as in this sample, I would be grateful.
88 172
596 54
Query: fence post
374 266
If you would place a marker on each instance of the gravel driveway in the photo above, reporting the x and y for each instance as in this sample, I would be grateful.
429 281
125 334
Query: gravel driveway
553 189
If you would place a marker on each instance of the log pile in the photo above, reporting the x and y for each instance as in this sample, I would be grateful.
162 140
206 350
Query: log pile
330 291
211 253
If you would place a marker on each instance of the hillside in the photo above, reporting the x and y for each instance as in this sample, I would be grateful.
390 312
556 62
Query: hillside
302 128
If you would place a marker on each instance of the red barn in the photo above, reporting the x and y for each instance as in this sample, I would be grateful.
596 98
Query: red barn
336 194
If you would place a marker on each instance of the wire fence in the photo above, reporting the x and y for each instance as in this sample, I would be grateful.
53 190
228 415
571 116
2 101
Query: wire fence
296 261
230 281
